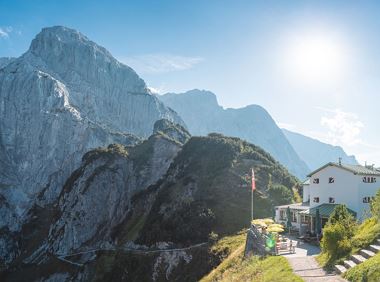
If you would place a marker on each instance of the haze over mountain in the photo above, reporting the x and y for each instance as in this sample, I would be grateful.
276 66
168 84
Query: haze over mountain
202 114
316 153
64 96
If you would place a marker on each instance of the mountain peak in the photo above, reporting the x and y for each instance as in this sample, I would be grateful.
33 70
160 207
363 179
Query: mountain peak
55 39
196 97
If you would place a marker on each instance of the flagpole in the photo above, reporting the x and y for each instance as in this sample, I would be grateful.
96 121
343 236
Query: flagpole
253 180
251 204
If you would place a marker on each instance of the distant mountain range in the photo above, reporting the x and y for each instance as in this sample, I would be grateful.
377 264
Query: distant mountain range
300 154
316 153
202 114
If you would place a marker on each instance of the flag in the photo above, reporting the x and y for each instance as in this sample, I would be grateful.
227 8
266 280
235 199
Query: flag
253 181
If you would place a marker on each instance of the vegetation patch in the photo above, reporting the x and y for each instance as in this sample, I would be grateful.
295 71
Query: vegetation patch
368 271
342 236
236 268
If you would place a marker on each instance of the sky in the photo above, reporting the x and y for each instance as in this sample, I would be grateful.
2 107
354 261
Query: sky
313 65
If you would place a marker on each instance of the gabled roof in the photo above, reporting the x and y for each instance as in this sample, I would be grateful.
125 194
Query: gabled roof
324 210
296 206
355 169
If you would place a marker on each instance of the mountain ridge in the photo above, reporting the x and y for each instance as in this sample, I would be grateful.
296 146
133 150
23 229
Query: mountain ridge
317 153
202 114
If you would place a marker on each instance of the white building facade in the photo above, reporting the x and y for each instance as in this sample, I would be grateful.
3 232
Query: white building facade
332 184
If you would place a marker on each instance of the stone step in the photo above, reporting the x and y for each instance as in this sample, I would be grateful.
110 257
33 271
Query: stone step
340 269
374 248
349 264
367 253
358 259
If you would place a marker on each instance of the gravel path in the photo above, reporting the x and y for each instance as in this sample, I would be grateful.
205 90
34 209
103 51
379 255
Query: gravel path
309 270
305 265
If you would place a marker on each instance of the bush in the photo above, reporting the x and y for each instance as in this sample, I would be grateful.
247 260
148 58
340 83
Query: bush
366 233
335 242
368 271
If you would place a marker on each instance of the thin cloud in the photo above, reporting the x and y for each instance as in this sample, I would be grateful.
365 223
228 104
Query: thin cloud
161 63
343 128
3 33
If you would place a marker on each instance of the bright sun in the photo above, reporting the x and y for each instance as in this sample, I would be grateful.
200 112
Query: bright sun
315 59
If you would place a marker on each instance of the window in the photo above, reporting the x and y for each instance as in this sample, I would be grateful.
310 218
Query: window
316 200
367 179
331 200
294 217
331 180
316 180
304 219
366 200
282 215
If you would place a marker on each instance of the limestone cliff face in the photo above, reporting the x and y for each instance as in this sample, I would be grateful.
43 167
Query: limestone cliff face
5 61
97 196
65 96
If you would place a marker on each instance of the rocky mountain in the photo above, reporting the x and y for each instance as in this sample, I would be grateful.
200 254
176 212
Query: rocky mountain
149 212
316 153
65 96
5 61
202 114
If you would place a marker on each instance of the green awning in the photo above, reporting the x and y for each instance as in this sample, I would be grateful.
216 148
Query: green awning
324 210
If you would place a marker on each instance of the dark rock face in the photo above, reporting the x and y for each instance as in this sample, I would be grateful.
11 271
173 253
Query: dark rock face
203 115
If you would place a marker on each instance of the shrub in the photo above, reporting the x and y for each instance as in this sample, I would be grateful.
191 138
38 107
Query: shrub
368 271
366 233
342 216
335 242
340 228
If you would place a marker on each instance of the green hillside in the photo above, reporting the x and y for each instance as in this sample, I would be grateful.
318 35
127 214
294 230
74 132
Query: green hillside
207 189
235 268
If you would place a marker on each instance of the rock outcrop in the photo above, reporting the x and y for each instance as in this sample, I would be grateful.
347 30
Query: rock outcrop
174 131
97 197
65 96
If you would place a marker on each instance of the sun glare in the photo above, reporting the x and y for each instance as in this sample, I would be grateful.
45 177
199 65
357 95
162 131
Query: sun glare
315 59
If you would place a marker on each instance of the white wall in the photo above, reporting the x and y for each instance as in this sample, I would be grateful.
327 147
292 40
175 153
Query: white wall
306 193
347 189
366 190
